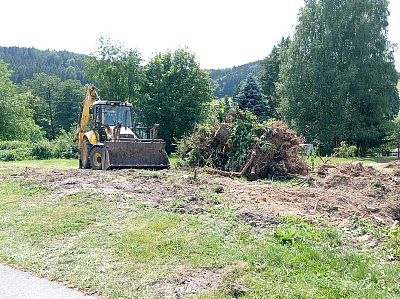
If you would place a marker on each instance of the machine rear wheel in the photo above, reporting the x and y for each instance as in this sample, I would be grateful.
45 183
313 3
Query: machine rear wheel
95 157
85 154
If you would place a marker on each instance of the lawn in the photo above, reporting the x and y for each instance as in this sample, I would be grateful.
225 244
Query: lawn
51 163
337 160
119 248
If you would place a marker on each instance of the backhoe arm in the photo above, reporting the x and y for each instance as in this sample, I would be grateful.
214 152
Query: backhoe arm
84 117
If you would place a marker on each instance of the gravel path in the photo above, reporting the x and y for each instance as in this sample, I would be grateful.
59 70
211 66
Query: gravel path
16 284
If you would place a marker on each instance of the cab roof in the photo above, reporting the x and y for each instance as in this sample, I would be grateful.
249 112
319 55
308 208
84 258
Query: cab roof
112 103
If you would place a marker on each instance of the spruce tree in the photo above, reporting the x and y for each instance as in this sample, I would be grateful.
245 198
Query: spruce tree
251 99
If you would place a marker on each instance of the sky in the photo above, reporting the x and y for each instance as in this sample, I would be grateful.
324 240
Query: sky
222 33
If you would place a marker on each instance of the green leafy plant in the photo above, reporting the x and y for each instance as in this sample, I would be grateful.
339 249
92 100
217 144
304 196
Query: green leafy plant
393 241
345 150
295 231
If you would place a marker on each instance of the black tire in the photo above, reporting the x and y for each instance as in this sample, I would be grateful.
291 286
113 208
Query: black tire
95 157
85 154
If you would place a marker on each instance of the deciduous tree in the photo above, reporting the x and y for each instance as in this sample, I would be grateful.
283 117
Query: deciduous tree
338 73
270 74
16 120
178 90
116 71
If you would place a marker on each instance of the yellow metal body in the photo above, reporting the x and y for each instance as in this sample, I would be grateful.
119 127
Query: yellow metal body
90 97
120 147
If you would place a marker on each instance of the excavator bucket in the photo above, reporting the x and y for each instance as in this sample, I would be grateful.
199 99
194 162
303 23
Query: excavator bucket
135 154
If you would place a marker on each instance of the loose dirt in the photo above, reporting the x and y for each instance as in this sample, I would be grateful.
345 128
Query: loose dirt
335 193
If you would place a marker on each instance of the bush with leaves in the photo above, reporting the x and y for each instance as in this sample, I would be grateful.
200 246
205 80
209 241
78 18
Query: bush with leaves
15 151
43 149
64 146
345 150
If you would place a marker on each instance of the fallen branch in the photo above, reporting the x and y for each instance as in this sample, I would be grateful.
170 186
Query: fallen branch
232 174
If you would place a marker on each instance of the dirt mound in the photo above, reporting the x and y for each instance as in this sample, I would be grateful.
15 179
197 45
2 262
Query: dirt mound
339 193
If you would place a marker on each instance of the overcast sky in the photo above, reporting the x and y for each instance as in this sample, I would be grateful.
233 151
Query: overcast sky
222 33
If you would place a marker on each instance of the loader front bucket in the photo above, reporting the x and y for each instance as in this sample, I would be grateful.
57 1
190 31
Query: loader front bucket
135 154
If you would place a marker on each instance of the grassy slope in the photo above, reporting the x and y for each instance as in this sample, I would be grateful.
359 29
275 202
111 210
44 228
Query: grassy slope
118 247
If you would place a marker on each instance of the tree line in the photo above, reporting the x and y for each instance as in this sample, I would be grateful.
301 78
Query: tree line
27 61
171 90
334 80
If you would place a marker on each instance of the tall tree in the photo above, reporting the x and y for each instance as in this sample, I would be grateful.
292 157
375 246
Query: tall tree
68 104
46 90
251 99
395 103
16 120
338 73
56 103
270 74
178 90
116 71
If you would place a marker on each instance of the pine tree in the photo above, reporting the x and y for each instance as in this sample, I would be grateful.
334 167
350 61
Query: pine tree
251 99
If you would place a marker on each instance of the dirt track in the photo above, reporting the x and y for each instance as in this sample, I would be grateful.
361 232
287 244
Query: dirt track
336 193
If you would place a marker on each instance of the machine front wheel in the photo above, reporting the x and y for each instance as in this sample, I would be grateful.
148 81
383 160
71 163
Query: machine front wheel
95 157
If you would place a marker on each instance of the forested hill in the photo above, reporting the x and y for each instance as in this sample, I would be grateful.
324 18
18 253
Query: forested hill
228 79
68 65
27 61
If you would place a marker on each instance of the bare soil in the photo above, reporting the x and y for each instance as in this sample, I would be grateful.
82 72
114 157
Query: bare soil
335 193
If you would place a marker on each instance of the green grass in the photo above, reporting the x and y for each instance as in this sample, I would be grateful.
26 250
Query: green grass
51 163
119 248
337 160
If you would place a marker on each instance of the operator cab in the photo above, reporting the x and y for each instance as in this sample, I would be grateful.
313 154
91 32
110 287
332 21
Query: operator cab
108 116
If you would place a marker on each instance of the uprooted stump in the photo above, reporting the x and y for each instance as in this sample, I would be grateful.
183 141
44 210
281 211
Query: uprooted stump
241 146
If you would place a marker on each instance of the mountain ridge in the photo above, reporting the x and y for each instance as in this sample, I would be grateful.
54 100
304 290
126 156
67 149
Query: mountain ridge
25 61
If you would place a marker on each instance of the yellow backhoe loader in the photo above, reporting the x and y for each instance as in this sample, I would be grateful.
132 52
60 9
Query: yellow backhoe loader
106 138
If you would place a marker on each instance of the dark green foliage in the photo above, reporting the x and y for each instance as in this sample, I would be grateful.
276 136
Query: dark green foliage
42 150
64 145
228 80
16 121
269 149
117 71
395 103
270 75
245 133
178 91
200 149
395 135
251 99
15 150
56 103
27 61
338 73
68 105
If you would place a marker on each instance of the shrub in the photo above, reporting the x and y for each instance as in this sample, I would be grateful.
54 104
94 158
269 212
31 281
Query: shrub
64 146
345 150
43 149
14 150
